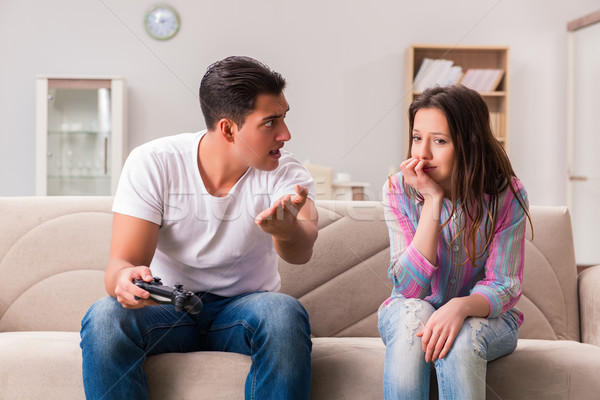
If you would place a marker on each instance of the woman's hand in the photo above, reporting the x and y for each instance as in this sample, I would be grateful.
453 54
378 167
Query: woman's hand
414 176
446 322
441 329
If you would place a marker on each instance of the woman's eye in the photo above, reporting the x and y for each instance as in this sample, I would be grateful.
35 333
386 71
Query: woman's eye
440 141
269 124
416 138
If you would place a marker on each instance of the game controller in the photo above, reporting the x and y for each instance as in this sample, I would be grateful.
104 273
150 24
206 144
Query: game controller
184 300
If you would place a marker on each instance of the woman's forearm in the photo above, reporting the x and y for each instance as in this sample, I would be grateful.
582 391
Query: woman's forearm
427 234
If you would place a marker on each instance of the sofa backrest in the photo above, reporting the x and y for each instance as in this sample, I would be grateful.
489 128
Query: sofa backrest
53 252
550 300
346 280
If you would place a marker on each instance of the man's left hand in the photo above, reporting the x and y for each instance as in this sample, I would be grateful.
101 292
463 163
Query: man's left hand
279 220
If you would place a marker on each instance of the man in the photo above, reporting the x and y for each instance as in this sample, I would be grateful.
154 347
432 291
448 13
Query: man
211 210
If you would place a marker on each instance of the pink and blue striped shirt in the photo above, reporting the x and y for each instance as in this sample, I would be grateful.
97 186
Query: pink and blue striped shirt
497 275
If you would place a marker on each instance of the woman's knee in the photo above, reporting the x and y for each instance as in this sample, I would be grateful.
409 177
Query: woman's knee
487 339
405 317
469 342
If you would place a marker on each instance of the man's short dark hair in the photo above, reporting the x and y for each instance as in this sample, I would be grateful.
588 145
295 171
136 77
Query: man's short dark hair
230 87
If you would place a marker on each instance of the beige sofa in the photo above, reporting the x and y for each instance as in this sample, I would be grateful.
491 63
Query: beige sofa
53 251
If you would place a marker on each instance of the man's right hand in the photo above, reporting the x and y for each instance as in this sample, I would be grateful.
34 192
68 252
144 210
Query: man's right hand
126 290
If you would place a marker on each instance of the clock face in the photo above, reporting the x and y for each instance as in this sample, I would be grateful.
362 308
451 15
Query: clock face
162 22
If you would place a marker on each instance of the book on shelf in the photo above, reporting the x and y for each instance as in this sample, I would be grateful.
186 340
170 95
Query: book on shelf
482 79
495 123
438 72
422 72
454 75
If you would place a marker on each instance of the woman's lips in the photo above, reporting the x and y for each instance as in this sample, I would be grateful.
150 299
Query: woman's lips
428 169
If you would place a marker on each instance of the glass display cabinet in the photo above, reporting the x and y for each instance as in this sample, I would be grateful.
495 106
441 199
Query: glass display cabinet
80 132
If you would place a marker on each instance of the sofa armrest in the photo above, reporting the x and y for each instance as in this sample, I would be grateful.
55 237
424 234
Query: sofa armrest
589 305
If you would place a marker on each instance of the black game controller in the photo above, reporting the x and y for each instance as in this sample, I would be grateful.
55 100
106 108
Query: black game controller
184 300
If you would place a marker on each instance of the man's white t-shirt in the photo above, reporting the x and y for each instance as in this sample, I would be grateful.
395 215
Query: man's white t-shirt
207 243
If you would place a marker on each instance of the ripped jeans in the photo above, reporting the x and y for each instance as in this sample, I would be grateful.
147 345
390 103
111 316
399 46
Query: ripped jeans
461 373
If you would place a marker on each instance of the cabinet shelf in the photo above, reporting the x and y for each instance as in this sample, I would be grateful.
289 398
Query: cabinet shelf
73 132
467 57
80 176
79 185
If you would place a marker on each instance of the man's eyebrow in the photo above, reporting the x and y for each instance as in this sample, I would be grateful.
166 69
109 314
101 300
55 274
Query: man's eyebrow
276 115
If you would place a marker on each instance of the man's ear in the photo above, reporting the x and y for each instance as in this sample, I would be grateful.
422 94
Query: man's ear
226 129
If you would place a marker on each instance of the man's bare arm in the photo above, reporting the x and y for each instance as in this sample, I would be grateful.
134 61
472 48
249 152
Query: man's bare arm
133 245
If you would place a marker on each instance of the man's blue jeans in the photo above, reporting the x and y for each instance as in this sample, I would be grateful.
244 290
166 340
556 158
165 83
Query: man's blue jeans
461 375
272 328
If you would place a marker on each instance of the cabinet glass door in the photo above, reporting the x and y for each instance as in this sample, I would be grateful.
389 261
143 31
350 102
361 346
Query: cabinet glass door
77 152
78 135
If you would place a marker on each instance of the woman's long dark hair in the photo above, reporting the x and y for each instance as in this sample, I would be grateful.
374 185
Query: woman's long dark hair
481 165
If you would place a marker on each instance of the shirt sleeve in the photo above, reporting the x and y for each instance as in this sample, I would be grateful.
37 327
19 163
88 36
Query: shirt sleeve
504 265
409 270
139 193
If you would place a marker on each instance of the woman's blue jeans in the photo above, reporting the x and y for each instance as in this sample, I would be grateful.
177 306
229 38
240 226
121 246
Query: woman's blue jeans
272 328
461 373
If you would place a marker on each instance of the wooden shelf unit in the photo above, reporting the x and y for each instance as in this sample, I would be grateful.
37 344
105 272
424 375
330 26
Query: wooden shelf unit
466 57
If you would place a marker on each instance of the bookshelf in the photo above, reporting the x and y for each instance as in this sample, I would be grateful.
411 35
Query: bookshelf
467 58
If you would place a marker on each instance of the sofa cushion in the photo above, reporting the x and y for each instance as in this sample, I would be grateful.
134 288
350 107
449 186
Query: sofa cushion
32 363
197 376
343 368
50 362
348 368
546 369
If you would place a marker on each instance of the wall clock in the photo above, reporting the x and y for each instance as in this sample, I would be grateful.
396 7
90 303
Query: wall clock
162 22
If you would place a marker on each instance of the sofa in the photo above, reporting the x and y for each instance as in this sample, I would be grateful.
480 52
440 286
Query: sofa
53 251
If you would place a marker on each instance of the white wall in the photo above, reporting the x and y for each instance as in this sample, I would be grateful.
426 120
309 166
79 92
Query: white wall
343 61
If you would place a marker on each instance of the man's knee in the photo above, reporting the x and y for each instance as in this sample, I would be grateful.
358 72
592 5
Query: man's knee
101 312
282 315
105 319
280 306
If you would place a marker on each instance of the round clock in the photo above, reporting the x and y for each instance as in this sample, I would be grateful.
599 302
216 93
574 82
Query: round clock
162 22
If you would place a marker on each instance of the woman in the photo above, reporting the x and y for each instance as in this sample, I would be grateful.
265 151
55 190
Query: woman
456 215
